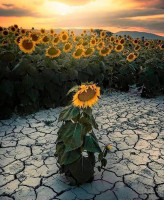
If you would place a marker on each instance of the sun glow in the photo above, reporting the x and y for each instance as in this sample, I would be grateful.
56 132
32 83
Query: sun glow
59 8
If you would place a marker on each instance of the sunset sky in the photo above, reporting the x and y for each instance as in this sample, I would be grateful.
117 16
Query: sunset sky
113 15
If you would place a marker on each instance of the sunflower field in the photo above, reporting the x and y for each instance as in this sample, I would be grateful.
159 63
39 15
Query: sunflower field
38 68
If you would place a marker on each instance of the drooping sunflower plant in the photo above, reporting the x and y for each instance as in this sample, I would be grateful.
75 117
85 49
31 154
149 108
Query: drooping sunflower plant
77 144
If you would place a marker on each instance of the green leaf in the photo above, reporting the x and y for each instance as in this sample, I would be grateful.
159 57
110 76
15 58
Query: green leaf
69 157
71 134
91 120
91 144
82 170
100 156
60 147
68 113
73 89
86 125
104 162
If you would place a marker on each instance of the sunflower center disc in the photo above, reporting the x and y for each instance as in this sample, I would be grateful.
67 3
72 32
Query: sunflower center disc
52 51
27 44
85 96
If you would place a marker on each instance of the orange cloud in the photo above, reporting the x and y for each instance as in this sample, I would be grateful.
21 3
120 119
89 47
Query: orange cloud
74 2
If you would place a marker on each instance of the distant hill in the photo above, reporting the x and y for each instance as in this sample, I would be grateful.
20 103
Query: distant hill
136 34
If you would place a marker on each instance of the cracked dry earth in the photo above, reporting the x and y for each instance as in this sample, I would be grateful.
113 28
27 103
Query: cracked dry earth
134 127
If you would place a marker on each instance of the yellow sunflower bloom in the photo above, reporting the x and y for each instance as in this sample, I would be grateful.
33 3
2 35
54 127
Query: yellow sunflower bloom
42 31
122 41
35 37
17 39
16 26
1 29
119 48
79 52
102 34
67 47
5 32
56 40
137 48
91 30
88 52
93 42
53 52
27 45
87 96
45 39
109 147
135 42
100 45
12 29
131 57
161 47
112 39
147 44
51 31
110 46
64 37
104 51
23 32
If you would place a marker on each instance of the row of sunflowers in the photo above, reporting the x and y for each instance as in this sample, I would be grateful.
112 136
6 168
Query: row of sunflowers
84 45
36 64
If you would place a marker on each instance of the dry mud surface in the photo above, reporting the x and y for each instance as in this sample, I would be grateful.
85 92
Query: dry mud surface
133 126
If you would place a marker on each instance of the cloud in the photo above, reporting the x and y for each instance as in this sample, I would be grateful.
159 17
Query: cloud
74 2
7 4
17 12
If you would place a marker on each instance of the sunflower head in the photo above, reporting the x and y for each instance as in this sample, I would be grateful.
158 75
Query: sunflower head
56 40
131 57
112 39
104 51
100 45
79 52
162 47
93 42
64 37
159 41
5 42
67 47
137 48
91 30
109 147
5 32
88 52
16 26
35 37
116 41
110 46
12 29
146 44
84 31
26 45
53 52
126 52
119 48
23 32
122 41
1 29
86 96
102 34
72 33
42 31
45 39
17 39
51 31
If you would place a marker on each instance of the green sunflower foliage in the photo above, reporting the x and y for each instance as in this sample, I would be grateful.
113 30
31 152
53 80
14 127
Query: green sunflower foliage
76 144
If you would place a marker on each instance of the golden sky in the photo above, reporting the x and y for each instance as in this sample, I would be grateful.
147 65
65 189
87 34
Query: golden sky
113 15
